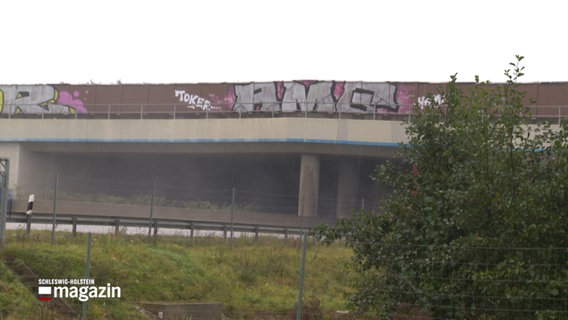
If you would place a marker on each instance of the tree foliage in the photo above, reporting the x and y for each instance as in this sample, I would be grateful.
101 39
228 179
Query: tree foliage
475 226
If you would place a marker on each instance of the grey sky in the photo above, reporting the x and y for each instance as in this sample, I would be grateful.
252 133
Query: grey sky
239 41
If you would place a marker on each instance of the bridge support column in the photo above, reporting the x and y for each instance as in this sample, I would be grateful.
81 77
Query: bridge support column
347 187
12 151
309 185
25 165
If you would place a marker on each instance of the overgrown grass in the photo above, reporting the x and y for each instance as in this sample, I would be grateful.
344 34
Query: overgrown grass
255 275
16 302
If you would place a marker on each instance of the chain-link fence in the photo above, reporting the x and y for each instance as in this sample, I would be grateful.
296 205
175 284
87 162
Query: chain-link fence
73 197
464 282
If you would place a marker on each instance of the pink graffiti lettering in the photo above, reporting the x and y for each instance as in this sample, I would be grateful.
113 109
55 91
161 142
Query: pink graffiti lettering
65 98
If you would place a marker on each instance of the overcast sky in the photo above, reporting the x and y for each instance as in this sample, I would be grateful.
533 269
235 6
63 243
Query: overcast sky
165 41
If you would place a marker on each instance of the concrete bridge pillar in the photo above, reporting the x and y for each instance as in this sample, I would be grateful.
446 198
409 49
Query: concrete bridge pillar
25 166
309 185
347 187
13 152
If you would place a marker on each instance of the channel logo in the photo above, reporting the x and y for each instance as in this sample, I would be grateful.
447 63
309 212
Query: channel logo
44 294
81 289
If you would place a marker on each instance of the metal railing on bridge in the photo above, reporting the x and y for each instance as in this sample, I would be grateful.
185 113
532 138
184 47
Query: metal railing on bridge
181 111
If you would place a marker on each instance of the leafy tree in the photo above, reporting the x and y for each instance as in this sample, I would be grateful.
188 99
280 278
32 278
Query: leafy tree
476 224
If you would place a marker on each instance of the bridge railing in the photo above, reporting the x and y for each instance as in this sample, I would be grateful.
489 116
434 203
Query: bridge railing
179 111
182 111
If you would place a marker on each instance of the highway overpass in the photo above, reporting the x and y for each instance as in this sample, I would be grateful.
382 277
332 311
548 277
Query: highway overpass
318 159
314 143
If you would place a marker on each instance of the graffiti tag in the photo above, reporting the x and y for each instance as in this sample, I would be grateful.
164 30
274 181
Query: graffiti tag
435 100
324 96
193 100
33 99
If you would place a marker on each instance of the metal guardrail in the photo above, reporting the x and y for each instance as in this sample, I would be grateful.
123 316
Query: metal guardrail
152 224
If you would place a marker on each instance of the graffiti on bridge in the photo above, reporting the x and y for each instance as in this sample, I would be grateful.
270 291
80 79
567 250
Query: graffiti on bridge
283 96
39 99
194 101
275 96
324 96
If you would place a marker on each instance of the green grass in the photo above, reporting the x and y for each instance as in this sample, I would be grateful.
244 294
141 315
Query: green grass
16 301
254 276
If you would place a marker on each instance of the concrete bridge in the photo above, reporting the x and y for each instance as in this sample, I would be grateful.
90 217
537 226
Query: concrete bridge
293 148
324 161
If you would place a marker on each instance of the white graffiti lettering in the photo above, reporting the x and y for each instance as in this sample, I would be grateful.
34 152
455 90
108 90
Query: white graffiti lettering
368 97
193 100
256 97
323 96
313 97
435 101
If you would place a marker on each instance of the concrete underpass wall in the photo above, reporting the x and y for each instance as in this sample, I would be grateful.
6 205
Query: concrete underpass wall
266 183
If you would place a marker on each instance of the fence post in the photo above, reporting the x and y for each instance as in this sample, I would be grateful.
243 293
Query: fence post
152 209
116 225
4 176
87 269
28 225
54 208
74 229
232 217
301 287
302 214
